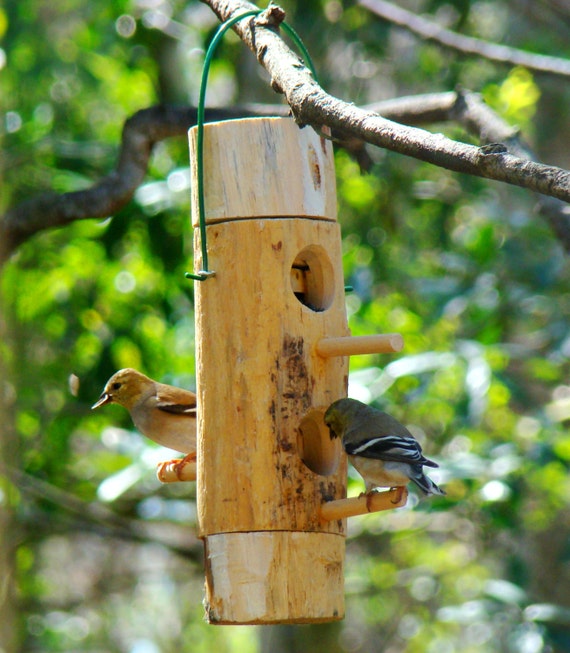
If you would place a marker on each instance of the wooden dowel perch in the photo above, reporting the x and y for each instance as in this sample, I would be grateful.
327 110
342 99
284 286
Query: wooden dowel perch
171 471
362 505
385 343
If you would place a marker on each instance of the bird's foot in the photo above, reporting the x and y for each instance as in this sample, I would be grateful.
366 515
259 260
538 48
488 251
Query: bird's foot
179 466
180 469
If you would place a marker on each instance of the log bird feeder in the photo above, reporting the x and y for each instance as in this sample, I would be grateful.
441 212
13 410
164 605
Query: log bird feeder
272 355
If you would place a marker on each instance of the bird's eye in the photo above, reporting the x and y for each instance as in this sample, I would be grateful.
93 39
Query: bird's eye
116 386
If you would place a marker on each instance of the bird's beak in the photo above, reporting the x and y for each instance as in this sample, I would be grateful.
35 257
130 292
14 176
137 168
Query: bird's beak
105 398
332 433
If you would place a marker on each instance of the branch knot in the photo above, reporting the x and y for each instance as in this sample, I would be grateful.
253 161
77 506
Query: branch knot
273 16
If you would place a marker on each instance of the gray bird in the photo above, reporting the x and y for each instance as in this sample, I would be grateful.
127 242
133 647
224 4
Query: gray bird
381 449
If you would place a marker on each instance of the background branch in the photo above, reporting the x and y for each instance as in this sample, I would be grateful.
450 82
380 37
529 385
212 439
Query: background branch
311 105
140 134
98 518
469 45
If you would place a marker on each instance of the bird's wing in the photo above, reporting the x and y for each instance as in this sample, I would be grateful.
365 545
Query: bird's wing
177 401
395 448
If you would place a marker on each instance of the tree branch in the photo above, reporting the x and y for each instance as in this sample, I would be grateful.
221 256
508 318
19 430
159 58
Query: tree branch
312 106
99 518
470 111
140 134
352 127
469 45
480 120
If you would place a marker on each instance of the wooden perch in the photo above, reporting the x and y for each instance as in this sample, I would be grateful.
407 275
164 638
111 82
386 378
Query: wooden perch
386 343
364 504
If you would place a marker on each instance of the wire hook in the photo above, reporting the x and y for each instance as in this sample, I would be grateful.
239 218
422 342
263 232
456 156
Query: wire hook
205 274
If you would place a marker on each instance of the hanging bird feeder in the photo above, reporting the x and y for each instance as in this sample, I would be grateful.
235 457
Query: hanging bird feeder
271 355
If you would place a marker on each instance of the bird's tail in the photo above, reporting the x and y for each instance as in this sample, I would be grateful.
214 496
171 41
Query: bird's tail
426 485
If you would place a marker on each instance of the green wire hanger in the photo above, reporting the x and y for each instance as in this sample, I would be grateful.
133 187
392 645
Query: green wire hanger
205 273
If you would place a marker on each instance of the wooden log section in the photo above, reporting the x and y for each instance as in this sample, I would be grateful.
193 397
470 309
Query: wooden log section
271 355
258 378
248 575
265 465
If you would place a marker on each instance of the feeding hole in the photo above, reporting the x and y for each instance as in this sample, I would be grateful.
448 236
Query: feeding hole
312 278
316 449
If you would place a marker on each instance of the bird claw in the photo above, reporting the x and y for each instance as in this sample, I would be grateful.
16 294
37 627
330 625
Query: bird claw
399 489
180 464
399 494
173 471
368 496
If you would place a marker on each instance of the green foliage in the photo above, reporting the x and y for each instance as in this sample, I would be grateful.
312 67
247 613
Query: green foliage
461 267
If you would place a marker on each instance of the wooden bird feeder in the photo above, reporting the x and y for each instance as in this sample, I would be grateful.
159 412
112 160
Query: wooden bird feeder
272 355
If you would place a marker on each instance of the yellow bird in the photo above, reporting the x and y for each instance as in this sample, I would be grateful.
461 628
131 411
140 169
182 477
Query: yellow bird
162 412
